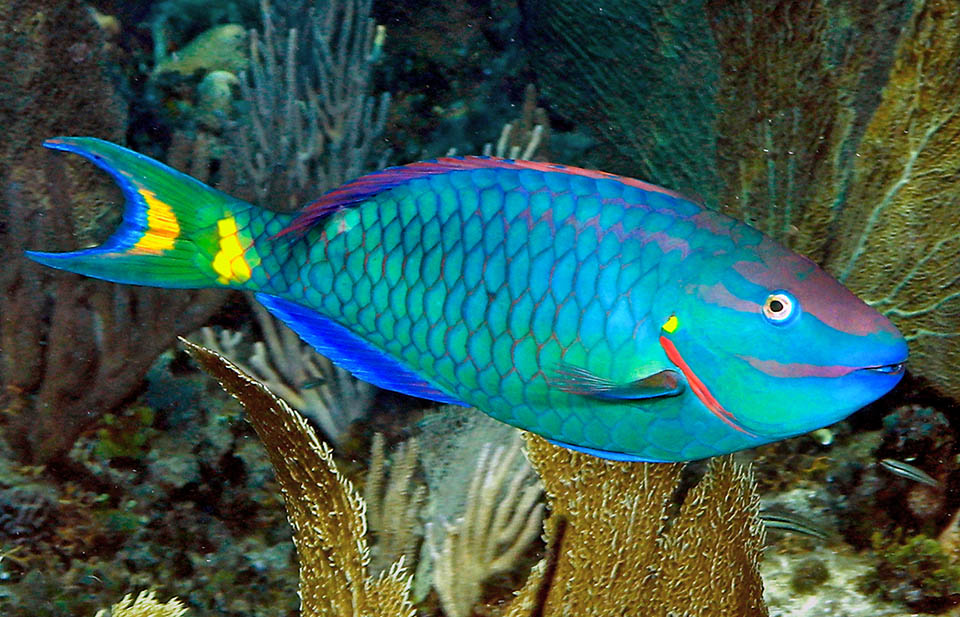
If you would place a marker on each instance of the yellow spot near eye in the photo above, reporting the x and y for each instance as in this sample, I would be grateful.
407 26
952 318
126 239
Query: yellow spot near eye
229 262
671 324
162 226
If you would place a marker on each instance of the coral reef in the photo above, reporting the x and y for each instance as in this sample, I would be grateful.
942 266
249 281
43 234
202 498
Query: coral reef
196 513
914 571
613 542
72 349
325 393
831 124
325 511
616 545
393 512
501 519
861 493
310 122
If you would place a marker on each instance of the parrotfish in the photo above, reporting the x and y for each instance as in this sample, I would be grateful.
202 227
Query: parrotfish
606 314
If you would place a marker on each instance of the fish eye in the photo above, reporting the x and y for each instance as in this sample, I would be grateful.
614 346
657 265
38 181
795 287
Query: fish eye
780 308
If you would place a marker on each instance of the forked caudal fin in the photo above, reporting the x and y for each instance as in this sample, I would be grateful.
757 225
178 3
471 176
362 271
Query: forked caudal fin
176 231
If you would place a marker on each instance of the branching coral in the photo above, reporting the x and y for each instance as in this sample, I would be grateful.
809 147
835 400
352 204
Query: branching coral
325 511
311 122
615 546
393 512
310 125
526 136
502 518
145 605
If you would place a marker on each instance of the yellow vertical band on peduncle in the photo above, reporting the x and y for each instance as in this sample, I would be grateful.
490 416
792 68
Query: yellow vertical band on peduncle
162 226
671 324
229 262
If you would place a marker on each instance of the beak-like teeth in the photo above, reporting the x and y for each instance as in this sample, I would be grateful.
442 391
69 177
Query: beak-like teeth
886 369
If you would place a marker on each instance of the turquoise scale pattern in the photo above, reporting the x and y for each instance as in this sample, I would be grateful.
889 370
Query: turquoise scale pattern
485 280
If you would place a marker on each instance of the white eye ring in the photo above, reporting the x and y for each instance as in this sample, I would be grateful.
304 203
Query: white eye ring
780 307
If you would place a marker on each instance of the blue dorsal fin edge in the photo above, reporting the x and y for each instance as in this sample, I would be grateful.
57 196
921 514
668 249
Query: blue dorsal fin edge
349 351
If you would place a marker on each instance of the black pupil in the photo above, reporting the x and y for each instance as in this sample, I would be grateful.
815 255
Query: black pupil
776 306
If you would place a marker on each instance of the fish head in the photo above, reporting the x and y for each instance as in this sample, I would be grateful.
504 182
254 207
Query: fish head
774 346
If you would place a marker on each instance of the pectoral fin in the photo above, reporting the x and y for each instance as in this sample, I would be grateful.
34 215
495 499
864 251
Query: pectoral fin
576 380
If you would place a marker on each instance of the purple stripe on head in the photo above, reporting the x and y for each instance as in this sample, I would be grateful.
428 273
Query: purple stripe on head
796 369
819 293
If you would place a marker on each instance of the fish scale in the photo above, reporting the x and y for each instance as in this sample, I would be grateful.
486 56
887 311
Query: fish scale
604 313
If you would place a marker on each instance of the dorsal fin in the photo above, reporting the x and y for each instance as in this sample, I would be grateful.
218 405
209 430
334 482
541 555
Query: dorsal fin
365 187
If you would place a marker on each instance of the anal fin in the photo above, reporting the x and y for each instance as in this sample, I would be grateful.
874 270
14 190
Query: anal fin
351 352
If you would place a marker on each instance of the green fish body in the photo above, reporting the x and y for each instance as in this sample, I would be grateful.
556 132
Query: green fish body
606 314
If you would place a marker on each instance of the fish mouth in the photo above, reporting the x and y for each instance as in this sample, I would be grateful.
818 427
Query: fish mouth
894 369
799 369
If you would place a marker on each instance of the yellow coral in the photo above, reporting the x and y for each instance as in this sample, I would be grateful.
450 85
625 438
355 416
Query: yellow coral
325 511
146 605
393 512
615 547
